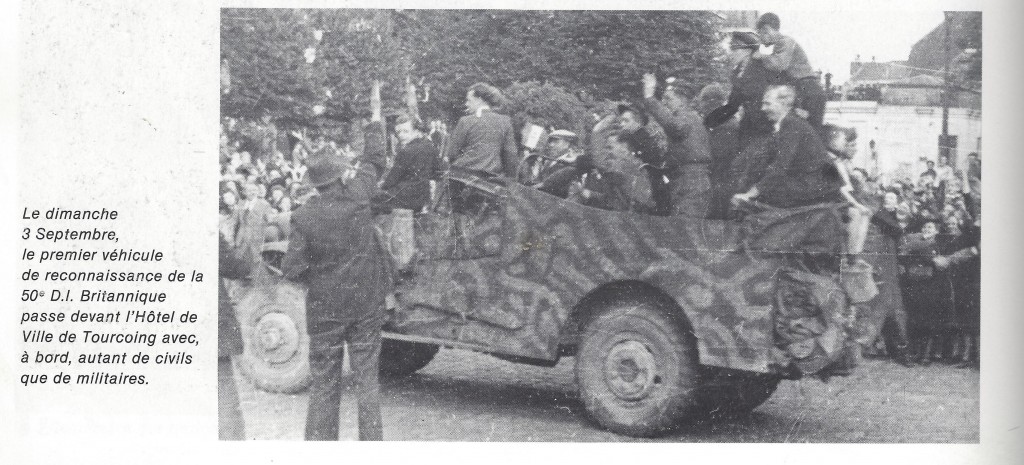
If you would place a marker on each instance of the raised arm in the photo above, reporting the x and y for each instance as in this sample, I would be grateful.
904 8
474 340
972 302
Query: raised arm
675 127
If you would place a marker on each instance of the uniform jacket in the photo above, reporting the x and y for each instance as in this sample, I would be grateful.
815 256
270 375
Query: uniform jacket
688 140
484 143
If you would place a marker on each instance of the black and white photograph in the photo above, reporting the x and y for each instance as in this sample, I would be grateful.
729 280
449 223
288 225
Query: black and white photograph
684 226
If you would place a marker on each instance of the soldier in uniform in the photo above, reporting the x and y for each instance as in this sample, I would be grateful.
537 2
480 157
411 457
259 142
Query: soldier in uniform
334 251
688 155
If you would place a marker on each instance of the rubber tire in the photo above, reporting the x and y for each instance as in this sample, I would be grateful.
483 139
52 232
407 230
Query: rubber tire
399 359
285 371
736 394
673 395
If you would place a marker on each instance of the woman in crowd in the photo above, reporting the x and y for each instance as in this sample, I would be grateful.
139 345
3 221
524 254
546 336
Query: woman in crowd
927 290
960 259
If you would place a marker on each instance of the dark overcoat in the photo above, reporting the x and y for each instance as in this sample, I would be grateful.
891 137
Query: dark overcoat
407 185
333 249
231 266
799 172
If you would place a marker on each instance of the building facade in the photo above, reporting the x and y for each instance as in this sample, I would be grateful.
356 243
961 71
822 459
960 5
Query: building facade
896 140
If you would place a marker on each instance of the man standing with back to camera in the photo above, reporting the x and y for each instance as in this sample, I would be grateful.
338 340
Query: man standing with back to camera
334 251
483 142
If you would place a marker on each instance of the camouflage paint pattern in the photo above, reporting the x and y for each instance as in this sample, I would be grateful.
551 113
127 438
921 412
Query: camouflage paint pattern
505 277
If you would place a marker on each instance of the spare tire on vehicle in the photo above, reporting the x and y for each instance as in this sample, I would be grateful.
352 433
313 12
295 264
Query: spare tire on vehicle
276 345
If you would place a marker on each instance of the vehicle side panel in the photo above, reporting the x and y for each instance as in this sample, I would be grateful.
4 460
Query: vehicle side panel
554 252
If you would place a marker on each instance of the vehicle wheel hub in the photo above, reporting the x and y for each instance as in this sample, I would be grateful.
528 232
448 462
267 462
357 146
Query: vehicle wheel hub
630 370
277 338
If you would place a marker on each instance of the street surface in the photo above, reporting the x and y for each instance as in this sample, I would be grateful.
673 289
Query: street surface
464 396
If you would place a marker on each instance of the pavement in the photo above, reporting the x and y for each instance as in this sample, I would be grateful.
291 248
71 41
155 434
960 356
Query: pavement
465 396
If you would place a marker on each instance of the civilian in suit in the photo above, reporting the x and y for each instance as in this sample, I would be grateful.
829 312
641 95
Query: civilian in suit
333 249
797 170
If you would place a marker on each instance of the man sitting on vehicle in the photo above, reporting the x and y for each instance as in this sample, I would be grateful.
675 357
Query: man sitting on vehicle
842 146
618 180
785 56
797 170
562 164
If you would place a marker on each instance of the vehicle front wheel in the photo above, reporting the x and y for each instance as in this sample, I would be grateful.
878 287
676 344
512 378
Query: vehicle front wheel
637 369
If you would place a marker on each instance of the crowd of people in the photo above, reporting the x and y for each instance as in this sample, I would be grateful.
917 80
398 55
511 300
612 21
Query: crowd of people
761 144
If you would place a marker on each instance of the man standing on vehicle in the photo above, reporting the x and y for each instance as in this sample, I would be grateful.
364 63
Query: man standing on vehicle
483 141
788 57
333 249
689 151
645 148
407 184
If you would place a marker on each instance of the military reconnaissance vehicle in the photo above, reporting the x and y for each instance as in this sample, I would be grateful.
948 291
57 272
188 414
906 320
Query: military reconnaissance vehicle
669 318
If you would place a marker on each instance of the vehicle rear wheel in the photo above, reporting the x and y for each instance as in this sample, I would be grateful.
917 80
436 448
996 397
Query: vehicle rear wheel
399 359
273 321
734 393
637 369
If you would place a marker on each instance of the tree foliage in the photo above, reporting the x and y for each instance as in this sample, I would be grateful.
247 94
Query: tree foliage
593 55
969 39
545 105
264 49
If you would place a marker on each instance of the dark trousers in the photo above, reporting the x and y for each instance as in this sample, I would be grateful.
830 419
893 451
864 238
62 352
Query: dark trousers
691 191
810 96
327 341
894 333
230 425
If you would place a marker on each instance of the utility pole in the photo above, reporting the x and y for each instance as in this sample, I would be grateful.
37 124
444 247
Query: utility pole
947 143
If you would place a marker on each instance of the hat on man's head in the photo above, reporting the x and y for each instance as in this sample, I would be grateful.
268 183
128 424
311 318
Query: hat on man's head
744 39
564 135
322 168
720 115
